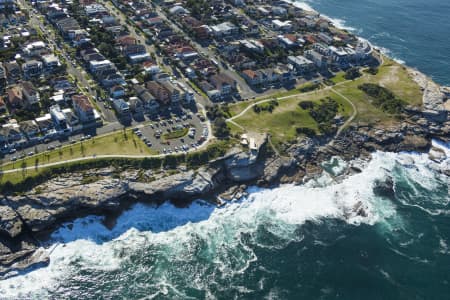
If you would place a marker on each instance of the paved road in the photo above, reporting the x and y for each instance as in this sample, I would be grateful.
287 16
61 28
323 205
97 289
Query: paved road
192 149
245 90
73 68
140 37
148 132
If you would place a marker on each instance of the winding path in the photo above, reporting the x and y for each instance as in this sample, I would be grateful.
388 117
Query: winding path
349 120
331 88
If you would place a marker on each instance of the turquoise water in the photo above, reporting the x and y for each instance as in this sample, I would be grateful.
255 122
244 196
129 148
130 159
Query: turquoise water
293 242
413 31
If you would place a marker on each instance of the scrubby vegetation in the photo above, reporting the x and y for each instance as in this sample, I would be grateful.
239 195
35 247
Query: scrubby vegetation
309 87
268 106
305 131
322 112
352 73
383 98
217 115
21 181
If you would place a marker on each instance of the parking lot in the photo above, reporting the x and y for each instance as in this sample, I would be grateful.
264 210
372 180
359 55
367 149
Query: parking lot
154 132
189 130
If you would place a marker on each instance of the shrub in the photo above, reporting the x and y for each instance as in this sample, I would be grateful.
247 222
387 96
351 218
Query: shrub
306 131
352 73
383 98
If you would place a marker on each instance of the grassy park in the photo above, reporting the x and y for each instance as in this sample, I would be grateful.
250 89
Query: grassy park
287 116
117 143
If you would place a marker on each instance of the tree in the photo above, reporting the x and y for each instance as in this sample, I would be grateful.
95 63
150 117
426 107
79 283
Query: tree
352 73
221 129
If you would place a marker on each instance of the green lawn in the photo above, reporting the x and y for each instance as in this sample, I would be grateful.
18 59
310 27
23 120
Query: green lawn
240 106
281 124
391 75
116 143
339 77
175 134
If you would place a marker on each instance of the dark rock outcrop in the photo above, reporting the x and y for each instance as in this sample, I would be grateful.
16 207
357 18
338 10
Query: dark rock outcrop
183 185
10 222
384 188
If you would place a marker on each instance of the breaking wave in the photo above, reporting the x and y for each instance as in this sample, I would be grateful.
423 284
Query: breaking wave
194 252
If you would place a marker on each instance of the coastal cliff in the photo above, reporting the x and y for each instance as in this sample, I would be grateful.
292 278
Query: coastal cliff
26 218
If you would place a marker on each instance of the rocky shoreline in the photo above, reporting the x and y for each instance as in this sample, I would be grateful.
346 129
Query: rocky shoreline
26 219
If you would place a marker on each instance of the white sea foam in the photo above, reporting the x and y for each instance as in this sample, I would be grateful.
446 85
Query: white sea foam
339 23
176 232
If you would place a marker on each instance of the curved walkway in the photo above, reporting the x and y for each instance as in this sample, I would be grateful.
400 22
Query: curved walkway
280 99
331 88
354 114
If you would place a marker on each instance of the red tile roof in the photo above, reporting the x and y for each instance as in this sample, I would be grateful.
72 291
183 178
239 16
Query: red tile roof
82 102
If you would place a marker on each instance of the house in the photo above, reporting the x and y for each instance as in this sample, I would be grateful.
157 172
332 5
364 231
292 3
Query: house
83 108
279 11
301 64
252 77
7 5
136 53
59 118
29 128
71 118
178 10
154 21
51 62
223 83
210 90
113 79
282 25
159 92
45 123
121 107
32 68
151 67
10 132
173 91
80 37
95 66
252 46
13 71
117 91
136 105
15 97
35 48
187 95
319 60
30 93
289 41
202 32
68 26
126 40
224 29
151 106
95 9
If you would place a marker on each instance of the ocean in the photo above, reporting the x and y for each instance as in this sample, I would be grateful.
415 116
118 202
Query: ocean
291 242
414 32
